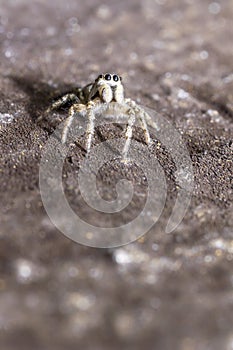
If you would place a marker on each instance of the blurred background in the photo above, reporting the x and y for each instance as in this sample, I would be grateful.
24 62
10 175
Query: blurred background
165 291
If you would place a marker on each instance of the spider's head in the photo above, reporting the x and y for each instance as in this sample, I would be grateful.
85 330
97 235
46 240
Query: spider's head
110 87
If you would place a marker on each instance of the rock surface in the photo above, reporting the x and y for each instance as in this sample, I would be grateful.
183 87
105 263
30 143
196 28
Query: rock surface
164 291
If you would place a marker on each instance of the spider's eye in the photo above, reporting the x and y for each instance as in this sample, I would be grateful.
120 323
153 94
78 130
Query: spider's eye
115 77
99 77
107 76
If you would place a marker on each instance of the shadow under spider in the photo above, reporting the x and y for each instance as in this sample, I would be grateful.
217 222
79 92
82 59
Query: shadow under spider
41 94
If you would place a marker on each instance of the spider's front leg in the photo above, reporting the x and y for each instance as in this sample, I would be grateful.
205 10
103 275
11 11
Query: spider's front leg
89 110
75 108
90 124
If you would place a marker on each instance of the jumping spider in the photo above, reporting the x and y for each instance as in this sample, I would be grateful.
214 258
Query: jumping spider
107 88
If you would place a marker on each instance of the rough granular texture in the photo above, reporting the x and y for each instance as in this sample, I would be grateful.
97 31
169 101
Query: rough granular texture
164 291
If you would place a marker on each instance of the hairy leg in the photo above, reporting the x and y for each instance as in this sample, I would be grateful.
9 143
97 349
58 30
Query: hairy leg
78 107
143 117
90 125
59 103
129 132
63 100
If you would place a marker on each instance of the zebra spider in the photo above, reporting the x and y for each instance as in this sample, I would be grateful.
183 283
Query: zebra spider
106 89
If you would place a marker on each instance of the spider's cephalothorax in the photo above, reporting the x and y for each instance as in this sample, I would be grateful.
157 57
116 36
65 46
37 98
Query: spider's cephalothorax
107 88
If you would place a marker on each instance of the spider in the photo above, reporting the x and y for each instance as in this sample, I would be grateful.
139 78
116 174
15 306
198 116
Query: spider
106 89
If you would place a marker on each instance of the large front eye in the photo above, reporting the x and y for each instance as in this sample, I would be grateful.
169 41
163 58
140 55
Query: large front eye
107 76
115 77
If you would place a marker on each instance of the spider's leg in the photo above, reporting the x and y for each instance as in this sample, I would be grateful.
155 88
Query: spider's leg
63 100
149 120
143 118
129 132
78 107
59 103
90 125
144 127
